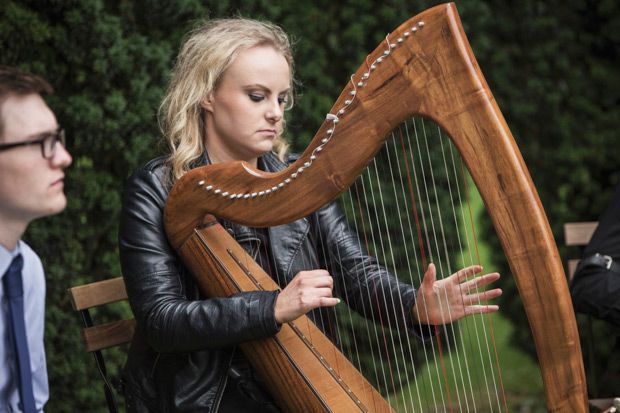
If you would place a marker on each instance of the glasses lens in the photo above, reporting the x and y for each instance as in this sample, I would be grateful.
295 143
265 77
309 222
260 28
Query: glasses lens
61 137
49 143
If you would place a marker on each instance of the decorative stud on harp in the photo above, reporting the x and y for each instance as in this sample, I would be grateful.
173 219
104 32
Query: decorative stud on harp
429 57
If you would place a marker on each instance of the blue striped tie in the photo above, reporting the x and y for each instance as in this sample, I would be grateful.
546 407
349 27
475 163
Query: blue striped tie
14 290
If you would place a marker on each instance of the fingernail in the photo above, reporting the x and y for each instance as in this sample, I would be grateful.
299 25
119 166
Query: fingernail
339 301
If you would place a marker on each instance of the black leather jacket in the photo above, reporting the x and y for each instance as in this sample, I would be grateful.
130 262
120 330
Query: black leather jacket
179 359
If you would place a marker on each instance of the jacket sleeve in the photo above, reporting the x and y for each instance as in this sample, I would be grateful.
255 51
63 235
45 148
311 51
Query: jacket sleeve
366 285
158 286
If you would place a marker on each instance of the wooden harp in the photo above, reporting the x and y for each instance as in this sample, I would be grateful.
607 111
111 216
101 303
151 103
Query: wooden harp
429 57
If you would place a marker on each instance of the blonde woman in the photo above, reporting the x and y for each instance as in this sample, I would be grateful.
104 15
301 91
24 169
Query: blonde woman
226 101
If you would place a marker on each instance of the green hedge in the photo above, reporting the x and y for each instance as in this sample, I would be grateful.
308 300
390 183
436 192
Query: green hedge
553 68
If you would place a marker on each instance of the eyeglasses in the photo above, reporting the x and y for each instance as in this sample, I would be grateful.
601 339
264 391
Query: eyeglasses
47 142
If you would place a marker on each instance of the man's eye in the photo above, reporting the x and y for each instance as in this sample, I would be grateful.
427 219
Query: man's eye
256 98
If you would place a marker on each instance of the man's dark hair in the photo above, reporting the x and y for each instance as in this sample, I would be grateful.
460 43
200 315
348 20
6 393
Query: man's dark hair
14 81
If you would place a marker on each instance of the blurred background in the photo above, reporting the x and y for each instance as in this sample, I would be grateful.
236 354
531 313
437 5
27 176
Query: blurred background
553 66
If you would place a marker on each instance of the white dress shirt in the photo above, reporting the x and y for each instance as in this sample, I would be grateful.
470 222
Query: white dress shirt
34 313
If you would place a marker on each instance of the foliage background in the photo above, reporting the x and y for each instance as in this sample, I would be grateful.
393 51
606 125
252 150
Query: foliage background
553 67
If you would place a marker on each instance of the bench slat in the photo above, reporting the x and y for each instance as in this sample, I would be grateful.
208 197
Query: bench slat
108 335
98 293
579 233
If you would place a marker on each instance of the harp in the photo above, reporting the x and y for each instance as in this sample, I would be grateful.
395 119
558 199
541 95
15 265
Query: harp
430 58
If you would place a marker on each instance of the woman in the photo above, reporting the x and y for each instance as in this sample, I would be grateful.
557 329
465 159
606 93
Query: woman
229 89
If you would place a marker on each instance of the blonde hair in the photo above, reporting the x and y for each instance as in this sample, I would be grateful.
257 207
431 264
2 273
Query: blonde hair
206 54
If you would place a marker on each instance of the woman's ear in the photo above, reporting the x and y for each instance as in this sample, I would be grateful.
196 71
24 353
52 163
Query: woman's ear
206 103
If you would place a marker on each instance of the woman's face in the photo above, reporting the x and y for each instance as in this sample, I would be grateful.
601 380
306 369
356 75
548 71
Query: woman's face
244 115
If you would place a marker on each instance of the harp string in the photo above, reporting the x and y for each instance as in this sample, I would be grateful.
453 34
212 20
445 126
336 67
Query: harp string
419 270
489 317
435 236
419 209
446 259
392 170
458 235
405 239
475 319
442 233
369 192
338 324
454 252
378 369
368 251
381 213
370 328
465 264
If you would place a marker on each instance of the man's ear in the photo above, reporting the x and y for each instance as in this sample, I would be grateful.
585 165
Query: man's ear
207 104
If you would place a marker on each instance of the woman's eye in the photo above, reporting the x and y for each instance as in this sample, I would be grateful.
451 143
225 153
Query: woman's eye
256 98
281 100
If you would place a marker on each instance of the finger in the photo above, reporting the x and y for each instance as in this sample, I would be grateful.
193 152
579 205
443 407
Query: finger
315 279
482 297
481 309
329 301
326 282
313 274
429 277
491 294
467 272
481 281
323 292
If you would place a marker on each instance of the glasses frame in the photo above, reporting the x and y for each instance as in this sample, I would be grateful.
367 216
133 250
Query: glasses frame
57 136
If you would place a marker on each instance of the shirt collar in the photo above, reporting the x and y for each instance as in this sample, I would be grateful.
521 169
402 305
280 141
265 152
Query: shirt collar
7 256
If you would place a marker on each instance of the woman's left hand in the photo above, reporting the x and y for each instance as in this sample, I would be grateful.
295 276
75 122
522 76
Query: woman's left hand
452 298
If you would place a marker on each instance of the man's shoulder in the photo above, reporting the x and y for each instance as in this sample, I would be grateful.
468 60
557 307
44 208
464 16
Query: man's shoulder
27 251
32 262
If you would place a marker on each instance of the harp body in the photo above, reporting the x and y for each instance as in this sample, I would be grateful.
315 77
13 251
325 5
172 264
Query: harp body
428 58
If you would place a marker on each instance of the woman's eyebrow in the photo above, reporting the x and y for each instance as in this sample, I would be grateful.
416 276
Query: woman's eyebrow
263 87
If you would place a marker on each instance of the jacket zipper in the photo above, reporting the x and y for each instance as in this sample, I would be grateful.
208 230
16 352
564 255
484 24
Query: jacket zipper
221 394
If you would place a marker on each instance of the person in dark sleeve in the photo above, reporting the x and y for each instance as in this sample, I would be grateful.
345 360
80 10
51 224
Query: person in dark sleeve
595 289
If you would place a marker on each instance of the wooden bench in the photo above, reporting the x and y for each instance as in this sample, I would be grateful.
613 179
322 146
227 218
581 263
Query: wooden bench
99 337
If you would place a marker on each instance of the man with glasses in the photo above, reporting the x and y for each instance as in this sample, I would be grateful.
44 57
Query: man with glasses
32 159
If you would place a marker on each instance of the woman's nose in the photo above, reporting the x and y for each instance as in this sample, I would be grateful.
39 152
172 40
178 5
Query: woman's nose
275 112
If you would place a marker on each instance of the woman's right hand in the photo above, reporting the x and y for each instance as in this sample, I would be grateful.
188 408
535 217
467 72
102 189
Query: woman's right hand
306 291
